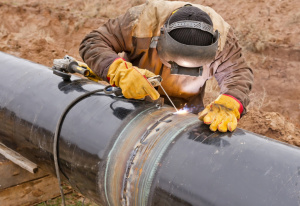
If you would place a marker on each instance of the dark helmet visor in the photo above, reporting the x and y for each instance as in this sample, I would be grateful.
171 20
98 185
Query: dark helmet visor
172 52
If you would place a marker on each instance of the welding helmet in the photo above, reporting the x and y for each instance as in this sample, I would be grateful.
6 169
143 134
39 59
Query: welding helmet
187 41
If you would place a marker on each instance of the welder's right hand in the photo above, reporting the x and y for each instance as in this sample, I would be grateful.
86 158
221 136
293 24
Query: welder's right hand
132 80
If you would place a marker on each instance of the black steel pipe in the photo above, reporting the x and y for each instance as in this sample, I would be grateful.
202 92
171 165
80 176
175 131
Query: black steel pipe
130 152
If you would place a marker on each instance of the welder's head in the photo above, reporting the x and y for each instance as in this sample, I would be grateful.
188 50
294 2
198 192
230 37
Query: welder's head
187 41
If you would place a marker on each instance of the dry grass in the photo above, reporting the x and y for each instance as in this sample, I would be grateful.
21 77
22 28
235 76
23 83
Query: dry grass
106 9
71 199
258 100
295 19
252 38
3 31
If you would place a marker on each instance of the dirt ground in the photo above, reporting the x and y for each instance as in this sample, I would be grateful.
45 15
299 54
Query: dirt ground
269 32
71 199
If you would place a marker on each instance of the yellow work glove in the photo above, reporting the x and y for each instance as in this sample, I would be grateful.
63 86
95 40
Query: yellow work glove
222 114
132 80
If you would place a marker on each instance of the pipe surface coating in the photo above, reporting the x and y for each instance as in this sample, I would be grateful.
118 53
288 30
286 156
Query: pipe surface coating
117 151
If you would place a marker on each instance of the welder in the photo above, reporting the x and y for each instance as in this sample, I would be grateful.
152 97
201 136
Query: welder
186 44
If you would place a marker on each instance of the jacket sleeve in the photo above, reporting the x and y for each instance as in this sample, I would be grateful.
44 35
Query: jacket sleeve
231 71
101 47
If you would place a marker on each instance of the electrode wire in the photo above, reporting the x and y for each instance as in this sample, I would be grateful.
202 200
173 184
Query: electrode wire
168 97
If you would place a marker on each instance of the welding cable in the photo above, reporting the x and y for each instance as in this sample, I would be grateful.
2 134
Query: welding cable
57 133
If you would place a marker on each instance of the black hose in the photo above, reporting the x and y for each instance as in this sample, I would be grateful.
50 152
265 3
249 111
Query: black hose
56 135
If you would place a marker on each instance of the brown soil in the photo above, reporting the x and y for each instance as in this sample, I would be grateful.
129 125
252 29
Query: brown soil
269 32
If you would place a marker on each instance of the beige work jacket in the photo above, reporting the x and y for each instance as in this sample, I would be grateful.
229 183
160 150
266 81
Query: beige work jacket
131 34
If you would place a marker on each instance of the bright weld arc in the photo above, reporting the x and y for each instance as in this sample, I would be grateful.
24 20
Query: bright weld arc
181 112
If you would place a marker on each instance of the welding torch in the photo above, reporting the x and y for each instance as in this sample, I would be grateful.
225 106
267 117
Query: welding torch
154 81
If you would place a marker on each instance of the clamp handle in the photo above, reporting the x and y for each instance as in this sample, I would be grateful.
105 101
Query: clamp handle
155 81
113 90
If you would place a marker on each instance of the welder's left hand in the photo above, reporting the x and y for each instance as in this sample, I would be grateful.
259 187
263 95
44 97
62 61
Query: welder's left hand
132 80
222 114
